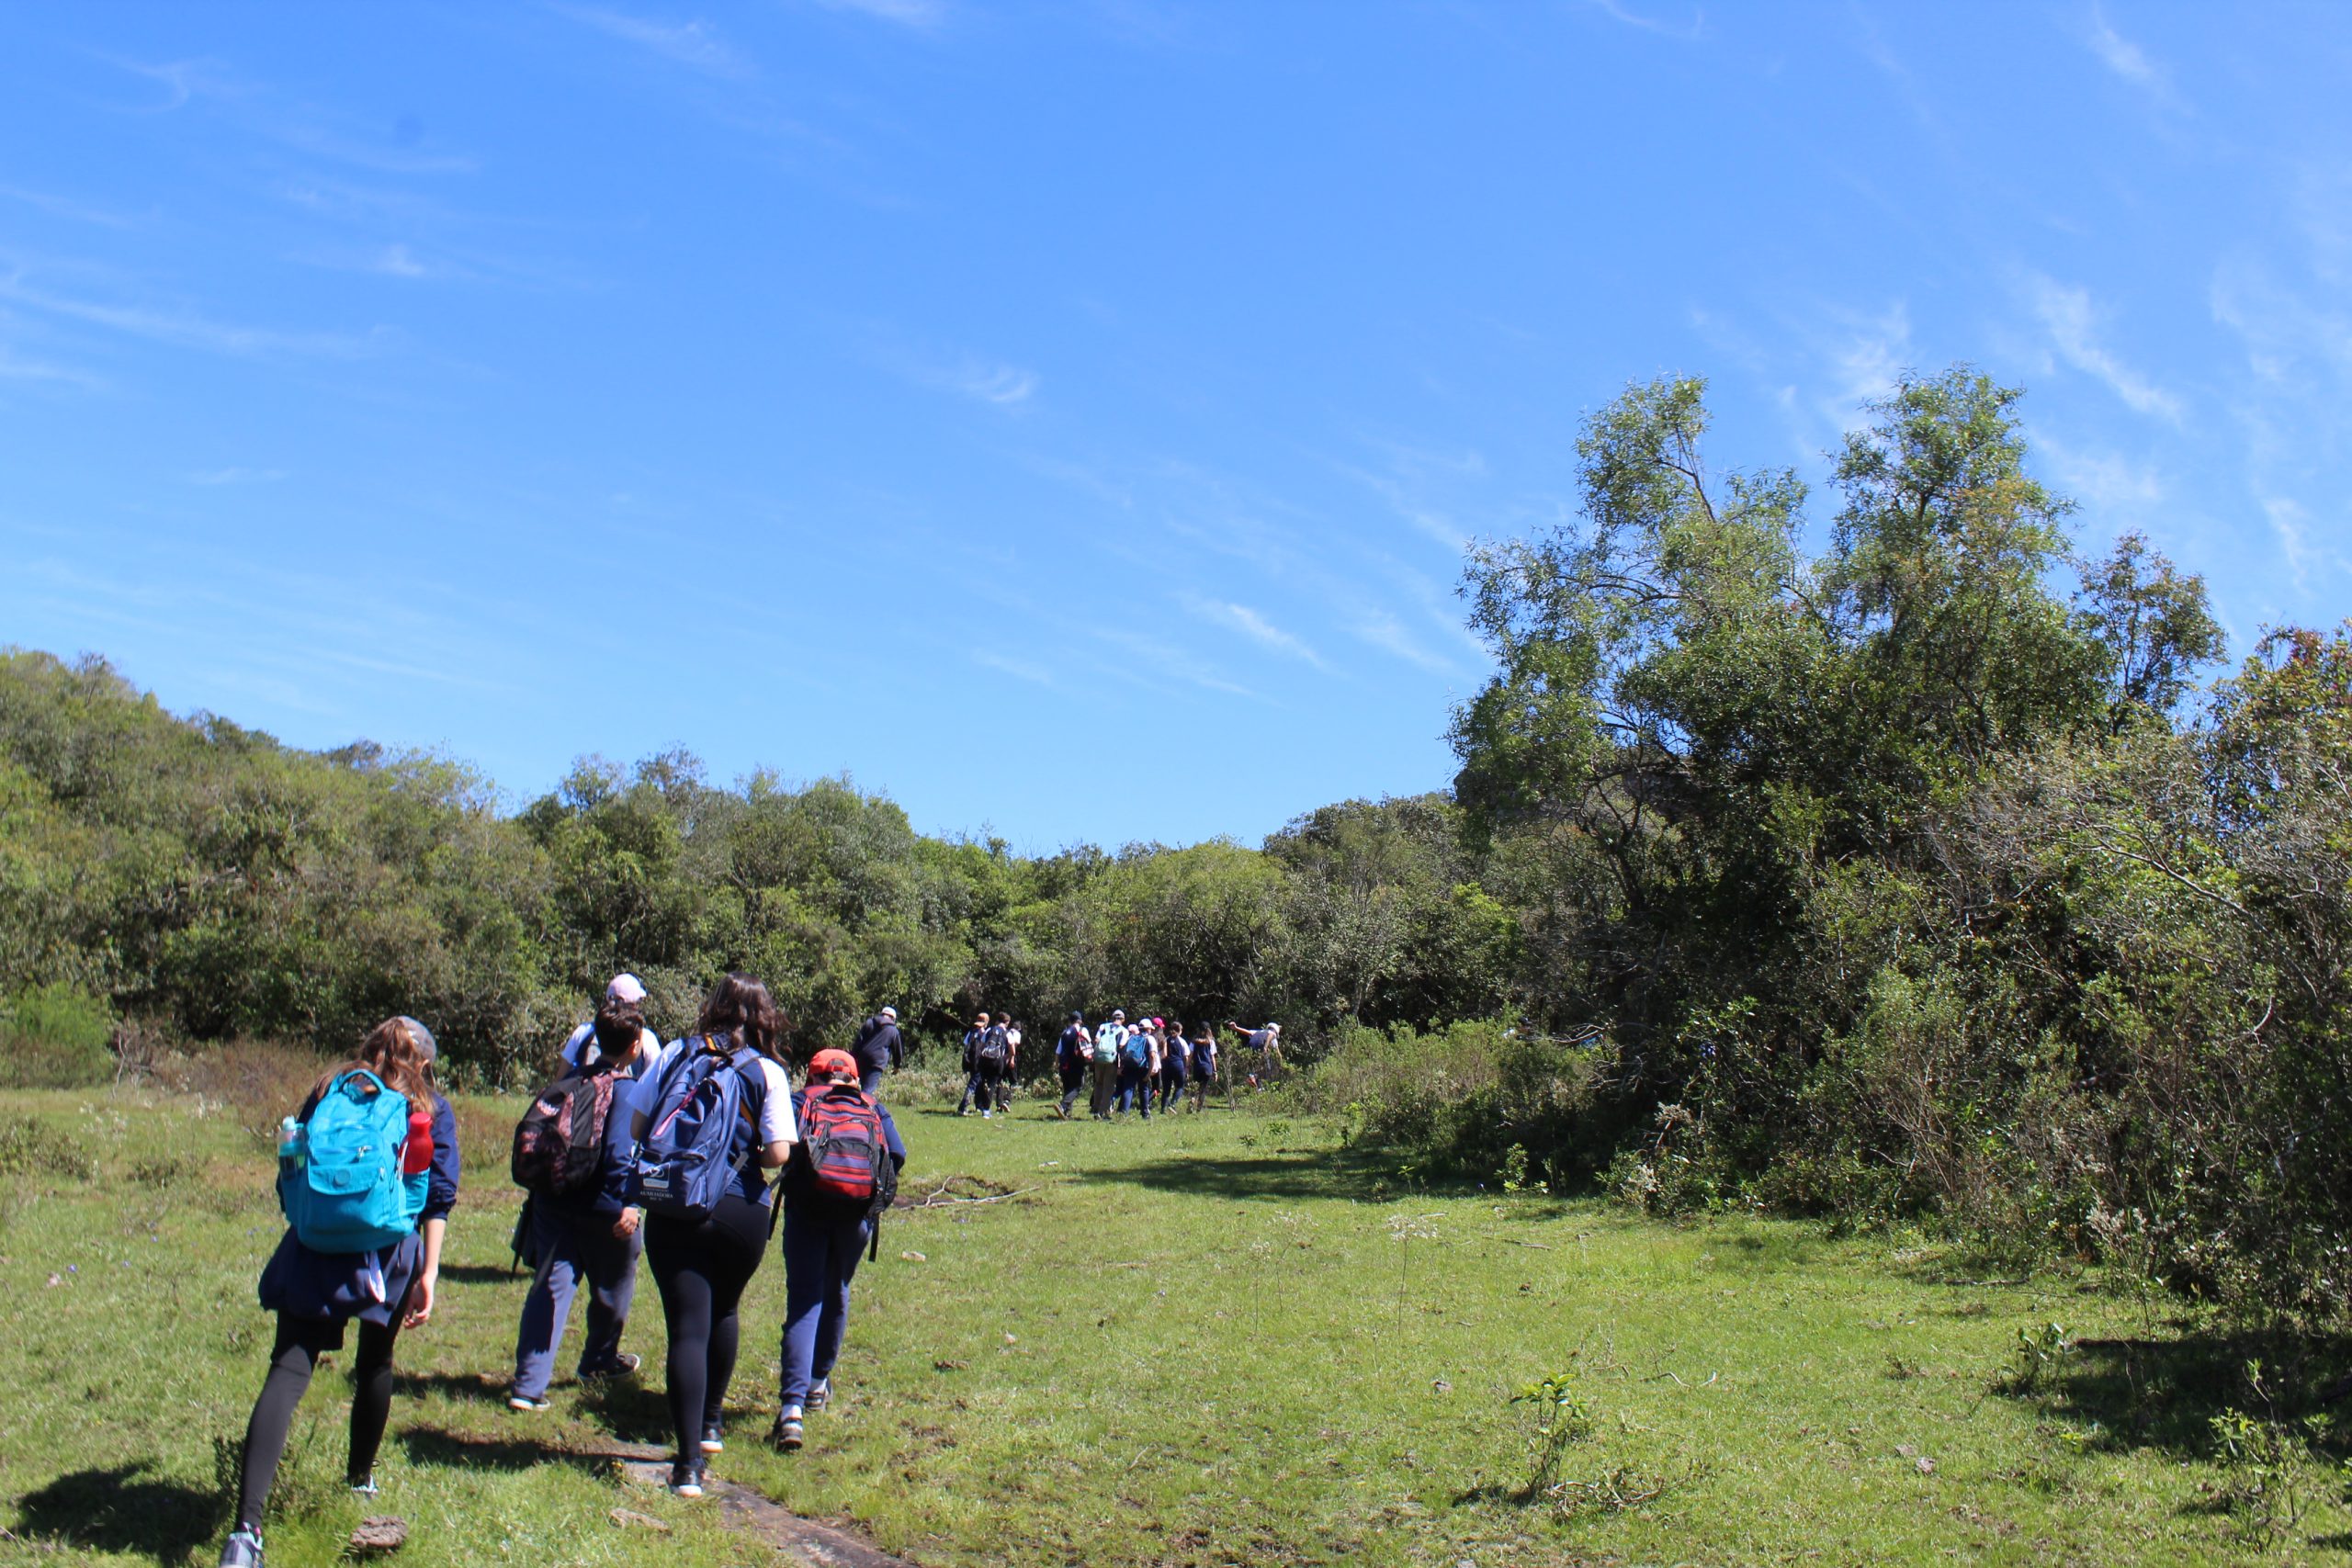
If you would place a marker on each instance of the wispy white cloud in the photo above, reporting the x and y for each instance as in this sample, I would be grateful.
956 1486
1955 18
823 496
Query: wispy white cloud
1004 386
1692 31
695 44
2105 481
2127 58
182 329
1256 627
1019 668
2290 524
14 367
233 476
1867 358
321 131
62 207
906 13
2071 319
398 261
1381 629
182 81
1149 655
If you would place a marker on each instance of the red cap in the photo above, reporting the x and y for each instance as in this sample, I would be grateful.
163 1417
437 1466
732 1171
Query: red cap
829 1064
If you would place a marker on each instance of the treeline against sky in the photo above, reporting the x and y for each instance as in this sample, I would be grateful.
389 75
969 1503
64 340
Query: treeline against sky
1928 878
204 876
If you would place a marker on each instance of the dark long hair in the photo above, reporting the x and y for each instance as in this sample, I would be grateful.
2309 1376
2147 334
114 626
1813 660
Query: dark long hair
740 1006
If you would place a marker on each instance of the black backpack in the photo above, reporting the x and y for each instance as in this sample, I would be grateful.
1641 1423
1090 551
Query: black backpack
560 1143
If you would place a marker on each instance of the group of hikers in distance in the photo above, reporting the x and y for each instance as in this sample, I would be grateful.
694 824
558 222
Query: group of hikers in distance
1129 1066
638 1147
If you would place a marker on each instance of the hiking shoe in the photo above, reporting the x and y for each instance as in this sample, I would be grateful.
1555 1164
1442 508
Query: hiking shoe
713 1440
364 1487
687 1478
244 1549
526 1401
821 1395
623 1363
786 1434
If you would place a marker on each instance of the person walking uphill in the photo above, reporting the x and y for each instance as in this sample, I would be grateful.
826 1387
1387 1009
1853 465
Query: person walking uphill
572 1153
878 1049
838 1184
1138 1068
368 1174
715 1112
1108 1041
1073 1054
988 1058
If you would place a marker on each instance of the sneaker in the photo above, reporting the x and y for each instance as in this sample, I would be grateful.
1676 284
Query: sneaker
821 1395
524 1402
786 1433
244 1549
686 1479
713 1441
987 1115
621 1366
364 1487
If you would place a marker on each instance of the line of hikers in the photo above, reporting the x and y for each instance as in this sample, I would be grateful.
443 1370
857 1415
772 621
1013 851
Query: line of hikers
1151 1062
637 1147
1130 1065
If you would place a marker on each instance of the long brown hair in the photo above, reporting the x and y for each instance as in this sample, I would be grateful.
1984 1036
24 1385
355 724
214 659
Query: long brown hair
740 1006
393 1053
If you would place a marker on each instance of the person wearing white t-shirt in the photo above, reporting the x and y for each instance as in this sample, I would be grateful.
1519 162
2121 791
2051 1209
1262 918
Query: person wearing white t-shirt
701 1267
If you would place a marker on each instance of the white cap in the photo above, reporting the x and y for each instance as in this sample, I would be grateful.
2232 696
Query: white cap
891 1013
626 988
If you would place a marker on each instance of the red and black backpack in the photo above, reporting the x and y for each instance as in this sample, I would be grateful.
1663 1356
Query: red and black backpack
845 1163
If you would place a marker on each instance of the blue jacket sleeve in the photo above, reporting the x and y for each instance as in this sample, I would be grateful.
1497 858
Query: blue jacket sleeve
890 1136
441 1192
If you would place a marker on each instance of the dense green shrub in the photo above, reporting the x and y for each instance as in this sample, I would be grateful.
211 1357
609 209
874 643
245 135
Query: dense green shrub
54 1036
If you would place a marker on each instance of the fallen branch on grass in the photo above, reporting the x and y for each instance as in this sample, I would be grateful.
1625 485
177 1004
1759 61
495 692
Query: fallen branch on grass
941 1200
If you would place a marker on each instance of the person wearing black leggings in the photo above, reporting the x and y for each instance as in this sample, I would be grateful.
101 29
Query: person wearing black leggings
700 1265
317 1294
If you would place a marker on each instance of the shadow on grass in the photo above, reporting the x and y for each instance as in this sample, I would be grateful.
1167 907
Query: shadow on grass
125 1509
429 1445
1286 1176
628 1410
2165 1392
485 1273
478 1387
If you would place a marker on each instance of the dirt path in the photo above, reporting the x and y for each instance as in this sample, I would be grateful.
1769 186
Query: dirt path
801 1541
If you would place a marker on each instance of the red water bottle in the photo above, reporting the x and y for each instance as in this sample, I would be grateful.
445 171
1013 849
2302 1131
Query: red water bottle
418 1154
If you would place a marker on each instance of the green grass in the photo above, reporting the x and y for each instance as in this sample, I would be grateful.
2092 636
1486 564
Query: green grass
1193 1342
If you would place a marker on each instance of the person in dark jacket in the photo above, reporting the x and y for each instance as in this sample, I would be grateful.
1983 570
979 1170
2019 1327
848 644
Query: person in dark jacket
1175 1061
878 1049
822 1246
1073 1056
316 1295
589 1235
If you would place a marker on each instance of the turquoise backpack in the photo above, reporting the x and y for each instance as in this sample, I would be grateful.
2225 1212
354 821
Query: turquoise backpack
344 1193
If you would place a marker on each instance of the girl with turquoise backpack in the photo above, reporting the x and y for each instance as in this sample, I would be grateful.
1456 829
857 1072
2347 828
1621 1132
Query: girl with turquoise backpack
368 1174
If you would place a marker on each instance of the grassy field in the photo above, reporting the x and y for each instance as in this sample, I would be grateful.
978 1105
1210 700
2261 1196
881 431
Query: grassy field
1208 1340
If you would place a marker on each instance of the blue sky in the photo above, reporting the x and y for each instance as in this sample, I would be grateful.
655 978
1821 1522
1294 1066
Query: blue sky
1066 419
